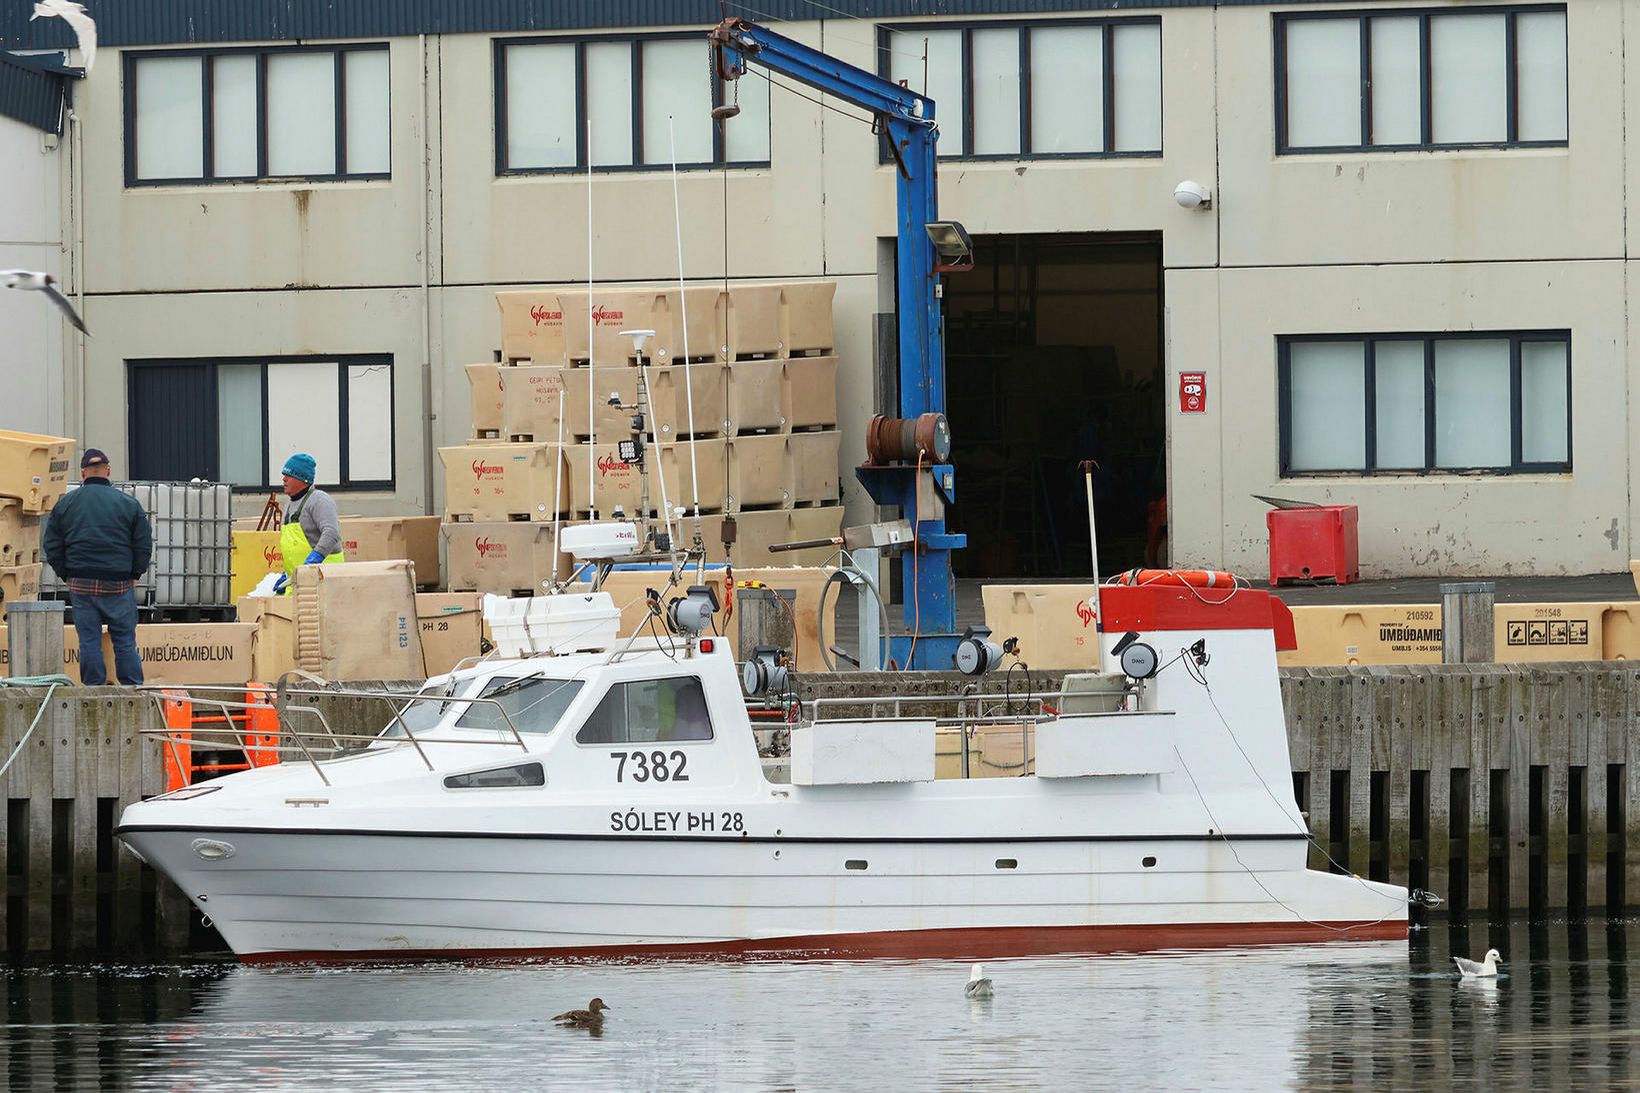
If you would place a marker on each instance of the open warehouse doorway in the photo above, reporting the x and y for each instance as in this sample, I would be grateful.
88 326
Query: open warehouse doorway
1054 355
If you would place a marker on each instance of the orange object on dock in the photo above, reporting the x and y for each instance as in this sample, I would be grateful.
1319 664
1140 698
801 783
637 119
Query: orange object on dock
255 723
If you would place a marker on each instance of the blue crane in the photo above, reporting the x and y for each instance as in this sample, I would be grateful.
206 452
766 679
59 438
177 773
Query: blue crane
908 457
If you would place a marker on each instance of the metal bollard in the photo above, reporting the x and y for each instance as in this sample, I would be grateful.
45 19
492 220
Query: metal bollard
1466 622
34 637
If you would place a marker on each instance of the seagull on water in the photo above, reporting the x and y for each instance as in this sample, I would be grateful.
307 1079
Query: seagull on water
85 31
46 283
1486 969
978 987
591 1017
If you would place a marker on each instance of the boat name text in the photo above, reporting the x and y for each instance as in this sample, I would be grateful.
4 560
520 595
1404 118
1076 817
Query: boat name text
660 821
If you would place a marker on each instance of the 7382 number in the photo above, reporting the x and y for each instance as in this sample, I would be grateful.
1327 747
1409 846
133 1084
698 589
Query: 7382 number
650 766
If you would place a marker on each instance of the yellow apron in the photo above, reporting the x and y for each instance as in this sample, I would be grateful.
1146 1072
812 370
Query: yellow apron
293 547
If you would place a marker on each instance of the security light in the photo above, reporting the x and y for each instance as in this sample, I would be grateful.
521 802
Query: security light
953 249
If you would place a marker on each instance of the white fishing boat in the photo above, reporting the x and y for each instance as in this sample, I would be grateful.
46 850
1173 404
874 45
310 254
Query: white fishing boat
609 797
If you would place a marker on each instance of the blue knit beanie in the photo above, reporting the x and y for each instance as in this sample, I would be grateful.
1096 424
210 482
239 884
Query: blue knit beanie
301 465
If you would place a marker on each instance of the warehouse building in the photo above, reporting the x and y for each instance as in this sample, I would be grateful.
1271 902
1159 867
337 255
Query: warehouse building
1363 253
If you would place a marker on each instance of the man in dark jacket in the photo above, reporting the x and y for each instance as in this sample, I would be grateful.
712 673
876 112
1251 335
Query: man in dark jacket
98 540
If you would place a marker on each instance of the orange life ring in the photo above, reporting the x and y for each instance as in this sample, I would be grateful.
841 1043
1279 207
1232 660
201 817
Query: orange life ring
1194 578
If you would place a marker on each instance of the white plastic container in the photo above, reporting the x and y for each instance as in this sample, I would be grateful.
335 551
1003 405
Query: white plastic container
192 523
563 623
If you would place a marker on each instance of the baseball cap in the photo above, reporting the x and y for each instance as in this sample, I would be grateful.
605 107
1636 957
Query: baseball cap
92 457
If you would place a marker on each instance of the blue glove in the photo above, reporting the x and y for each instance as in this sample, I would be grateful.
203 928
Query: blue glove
279 585
313 558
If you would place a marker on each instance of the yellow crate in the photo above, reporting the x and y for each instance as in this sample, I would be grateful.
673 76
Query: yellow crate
255 555
34 468
1620 631
1534 632
1365 634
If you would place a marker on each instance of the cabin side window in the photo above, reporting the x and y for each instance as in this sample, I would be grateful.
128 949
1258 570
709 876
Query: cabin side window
649 711
533 704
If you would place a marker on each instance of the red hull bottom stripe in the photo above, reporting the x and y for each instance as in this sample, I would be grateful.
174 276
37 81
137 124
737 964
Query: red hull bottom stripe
970 944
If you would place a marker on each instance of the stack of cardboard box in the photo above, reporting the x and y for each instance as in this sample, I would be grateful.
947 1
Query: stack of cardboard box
742 394
34 475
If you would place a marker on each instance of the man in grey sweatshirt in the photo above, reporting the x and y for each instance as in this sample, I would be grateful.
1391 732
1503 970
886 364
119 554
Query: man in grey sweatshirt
312 533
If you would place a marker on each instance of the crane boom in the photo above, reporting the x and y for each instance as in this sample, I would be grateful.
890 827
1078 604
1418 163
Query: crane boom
922 482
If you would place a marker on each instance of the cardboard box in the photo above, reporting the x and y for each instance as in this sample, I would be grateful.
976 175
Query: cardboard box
20 583
485 389
1365 634
1055 623
504 481
809 391
813 462
34 468
274 651
255 555
385 538
532 325
759 473
807 317
357 621
617 483
756 396
532 398
506 557
19 534
452 629
183 654
685 323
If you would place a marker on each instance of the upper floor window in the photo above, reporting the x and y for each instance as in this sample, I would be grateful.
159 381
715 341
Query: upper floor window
1016 90
1399 79
237 115
649 103
236 420
1399 403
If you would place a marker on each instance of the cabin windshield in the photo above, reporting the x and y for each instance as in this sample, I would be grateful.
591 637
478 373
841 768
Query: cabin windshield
534 704
423 715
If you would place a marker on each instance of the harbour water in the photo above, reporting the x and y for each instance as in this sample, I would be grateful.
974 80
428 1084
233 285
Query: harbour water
1376 1015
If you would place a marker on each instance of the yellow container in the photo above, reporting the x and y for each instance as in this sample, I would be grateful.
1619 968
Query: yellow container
34 468
1365 634
1620 631
1054 623
1535 632
255 555
20 582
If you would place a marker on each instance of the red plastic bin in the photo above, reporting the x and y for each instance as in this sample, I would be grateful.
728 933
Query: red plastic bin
1314 544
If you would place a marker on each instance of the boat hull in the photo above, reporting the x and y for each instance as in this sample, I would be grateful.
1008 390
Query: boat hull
338 895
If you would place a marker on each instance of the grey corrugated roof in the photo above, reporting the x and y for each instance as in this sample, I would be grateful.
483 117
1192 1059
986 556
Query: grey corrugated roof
181 22
33 90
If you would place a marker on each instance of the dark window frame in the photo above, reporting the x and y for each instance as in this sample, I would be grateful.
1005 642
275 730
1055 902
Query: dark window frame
1516 339
206 57
498 62
885 34
592 710
342 361
1426 108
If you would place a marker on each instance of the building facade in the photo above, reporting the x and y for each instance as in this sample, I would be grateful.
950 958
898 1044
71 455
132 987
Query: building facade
1408 288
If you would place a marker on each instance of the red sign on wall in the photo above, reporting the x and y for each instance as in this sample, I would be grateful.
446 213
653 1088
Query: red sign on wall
1192 392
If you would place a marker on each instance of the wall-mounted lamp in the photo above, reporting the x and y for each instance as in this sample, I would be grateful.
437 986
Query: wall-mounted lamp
953 250
1193 195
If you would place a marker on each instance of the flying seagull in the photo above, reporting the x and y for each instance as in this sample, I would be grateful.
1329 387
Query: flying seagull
46 283
978 986
1486 969
85 31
